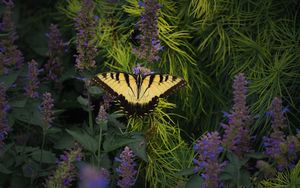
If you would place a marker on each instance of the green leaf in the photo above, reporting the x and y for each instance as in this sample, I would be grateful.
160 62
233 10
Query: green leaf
82 101
94 90
4 170
9 79
234 171
68 74
48 157
114 142
38 41
256 155
30 113
194 182
85 139
138 147
18 103
30 169
244 178
17 181
186 172
66 141
225 176
30 116
53 130
26 149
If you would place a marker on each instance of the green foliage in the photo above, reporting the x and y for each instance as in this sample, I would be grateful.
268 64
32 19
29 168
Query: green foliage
167 153
284 179
235 173
206 42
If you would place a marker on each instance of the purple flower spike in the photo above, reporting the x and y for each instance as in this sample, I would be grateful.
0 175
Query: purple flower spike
4 107
150 44
207 151
126 169
277 114
56 49
102 114
279 147
141 70
47 109
33 82
237 137
85 25
10 56
65 173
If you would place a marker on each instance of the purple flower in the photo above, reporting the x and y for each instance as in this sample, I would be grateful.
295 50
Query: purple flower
107 99
56 49
126 170
283 150
86 30
207 151
33 82
10 56
276 113
90 177
65 173
102 114
141 70
150 44
237 137
47 109
4 107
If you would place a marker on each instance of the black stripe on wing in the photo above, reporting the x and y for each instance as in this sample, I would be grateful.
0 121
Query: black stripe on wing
173 88
97 81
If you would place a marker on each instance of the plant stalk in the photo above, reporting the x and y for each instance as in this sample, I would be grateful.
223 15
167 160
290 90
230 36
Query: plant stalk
99 146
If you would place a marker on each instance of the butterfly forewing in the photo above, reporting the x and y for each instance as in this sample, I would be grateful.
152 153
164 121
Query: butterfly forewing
118 84
158 86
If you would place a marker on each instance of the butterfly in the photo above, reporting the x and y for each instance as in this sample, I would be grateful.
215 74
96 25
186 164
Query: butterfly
138 94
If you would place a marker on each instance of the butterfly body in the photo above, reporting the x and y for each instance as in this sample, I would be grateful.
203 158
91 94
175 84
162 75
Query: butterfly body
138 94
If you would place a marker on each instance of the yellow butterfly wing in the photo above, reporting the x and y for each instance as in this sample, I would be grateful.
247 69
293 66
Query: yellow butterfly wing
155 86
121 85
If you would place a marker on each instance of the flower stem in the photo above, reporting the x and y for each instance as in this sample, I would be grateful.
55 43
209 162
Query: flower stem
90 110
99 145
42 147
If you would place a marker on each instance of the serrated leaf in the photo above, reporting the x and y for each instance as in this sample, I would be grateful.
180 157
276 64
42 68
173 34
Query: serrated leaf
194 182
84 139
48 157
4 170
